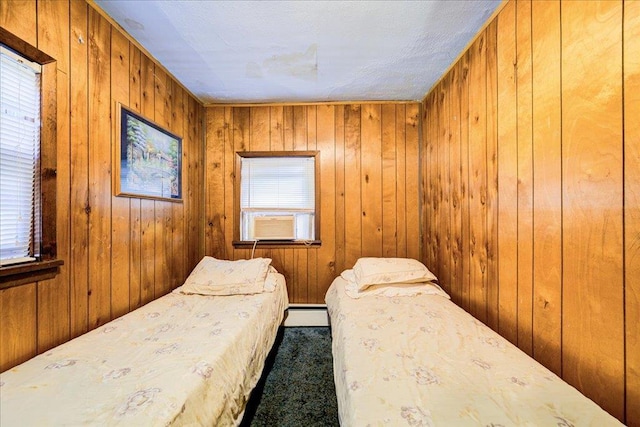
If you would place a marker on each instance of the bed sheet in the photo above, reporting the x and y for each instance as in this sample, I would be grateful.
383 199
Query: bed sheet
423 361
179 360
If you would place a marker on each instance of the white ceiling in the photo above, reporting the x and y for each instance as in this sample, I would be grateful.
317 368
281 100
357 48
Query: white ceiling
303 51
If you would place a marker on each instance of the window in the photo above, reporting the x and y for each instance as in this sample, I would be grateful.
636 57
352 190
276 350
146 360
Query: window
19 154
278 197
28 134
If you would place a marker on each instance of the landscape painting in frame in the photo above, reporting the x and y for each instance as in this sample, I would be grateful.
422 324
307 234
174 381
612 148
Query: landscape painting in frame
148 161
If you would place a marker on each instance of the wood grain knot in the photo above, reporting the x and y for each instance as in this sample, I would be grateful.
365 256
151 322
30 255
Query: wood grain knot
49 173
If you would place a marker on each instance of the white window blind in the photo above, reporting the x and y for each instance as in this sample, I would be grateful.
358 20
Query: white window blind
278 183
19 152
278 187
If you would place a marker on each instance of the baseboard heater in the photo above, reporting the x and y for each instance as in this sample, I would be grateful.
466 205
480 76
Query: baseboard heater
307 315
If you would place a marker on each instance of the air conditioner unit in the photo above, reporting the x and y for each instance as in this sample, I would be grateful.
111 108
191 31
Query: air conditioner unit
280 227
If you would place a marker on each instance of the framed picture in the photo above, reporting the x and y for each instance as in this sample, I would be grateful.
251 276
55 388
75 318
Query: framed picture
148 159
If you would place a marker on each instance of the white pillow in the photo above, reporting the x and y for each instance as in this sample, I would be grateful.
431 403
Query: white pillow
273 280
384 271
390 290
219 277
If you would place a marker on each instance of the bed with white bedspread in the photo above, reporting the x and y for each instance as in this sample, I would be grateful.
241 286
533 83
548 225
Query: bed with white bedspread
404 354
183 359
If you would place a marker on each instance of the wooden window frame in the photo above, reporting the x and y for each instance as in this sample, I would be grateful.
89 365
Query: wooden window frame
46 266
248 244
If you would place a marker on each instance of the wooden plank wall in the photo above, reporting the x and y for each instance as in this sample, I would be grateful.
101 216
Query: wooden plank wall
532 182
369 183
119 253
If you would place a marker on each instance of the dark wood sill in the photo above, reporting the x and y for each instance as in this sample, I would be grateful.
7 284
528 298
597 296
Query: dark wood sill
270 244
20 274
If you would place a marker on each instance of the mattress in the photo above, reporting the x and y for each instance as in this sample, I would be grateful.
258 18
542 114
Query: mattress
423 361
179 360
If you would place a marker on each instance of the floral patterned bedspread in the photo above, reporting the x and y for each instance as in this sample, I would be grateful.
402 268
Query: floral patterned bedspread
179 360
423 361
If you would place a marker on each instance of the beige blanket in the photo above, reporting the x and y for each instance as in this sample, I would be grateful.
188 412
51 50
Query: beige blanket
423 361
179 360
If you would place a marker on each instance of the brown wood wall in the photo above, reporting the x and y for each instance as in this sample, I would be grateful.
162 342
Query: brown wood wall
119 253
532 189
530 177
369 184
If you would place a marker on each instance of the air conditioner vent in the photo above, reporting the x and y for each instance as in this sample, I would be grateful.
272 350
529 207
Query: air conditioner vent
280 227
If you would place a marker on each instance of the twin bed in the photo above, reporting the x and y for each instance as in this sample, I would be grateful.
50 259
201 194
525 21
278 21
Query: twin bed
191 357
404 354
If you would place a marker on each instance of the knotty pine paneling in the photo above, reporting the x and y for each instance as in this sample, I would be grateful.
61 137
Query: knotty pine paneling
53 295
109 244
547 160
78 142
491 240
477 190
120 206
100 238
20 17
525 176
592 200
543 175
507 175
465 293
369 180
631 65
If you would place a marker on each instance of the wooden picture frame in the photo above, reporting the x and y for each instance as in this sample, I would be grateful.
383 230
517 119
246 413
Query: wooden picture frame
148 159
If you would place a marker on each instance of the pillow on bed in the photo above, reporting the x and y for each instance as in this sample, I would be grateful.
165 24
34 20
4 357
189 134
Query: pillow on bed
219 277
273 280
390 290
384 271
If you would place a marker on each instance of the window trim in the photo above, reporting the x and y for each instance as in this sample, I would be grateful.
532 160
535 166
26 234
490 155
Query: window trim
46 266
248 244
21 274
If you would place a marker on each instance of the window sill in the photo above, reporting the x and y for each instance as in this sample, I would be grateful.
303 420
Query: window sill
248 244
20 274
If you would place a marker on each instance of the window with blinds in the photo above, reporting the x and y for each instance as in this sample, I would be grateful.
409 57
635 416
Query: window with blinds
19 154
278 196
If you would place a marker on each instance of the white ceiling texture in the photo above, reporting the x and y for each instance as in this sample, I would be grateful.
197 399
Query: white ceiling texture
303 51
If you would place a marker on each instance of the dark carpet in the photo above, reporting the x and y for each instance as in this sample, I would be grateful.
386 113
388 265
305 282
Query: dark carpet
296 388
